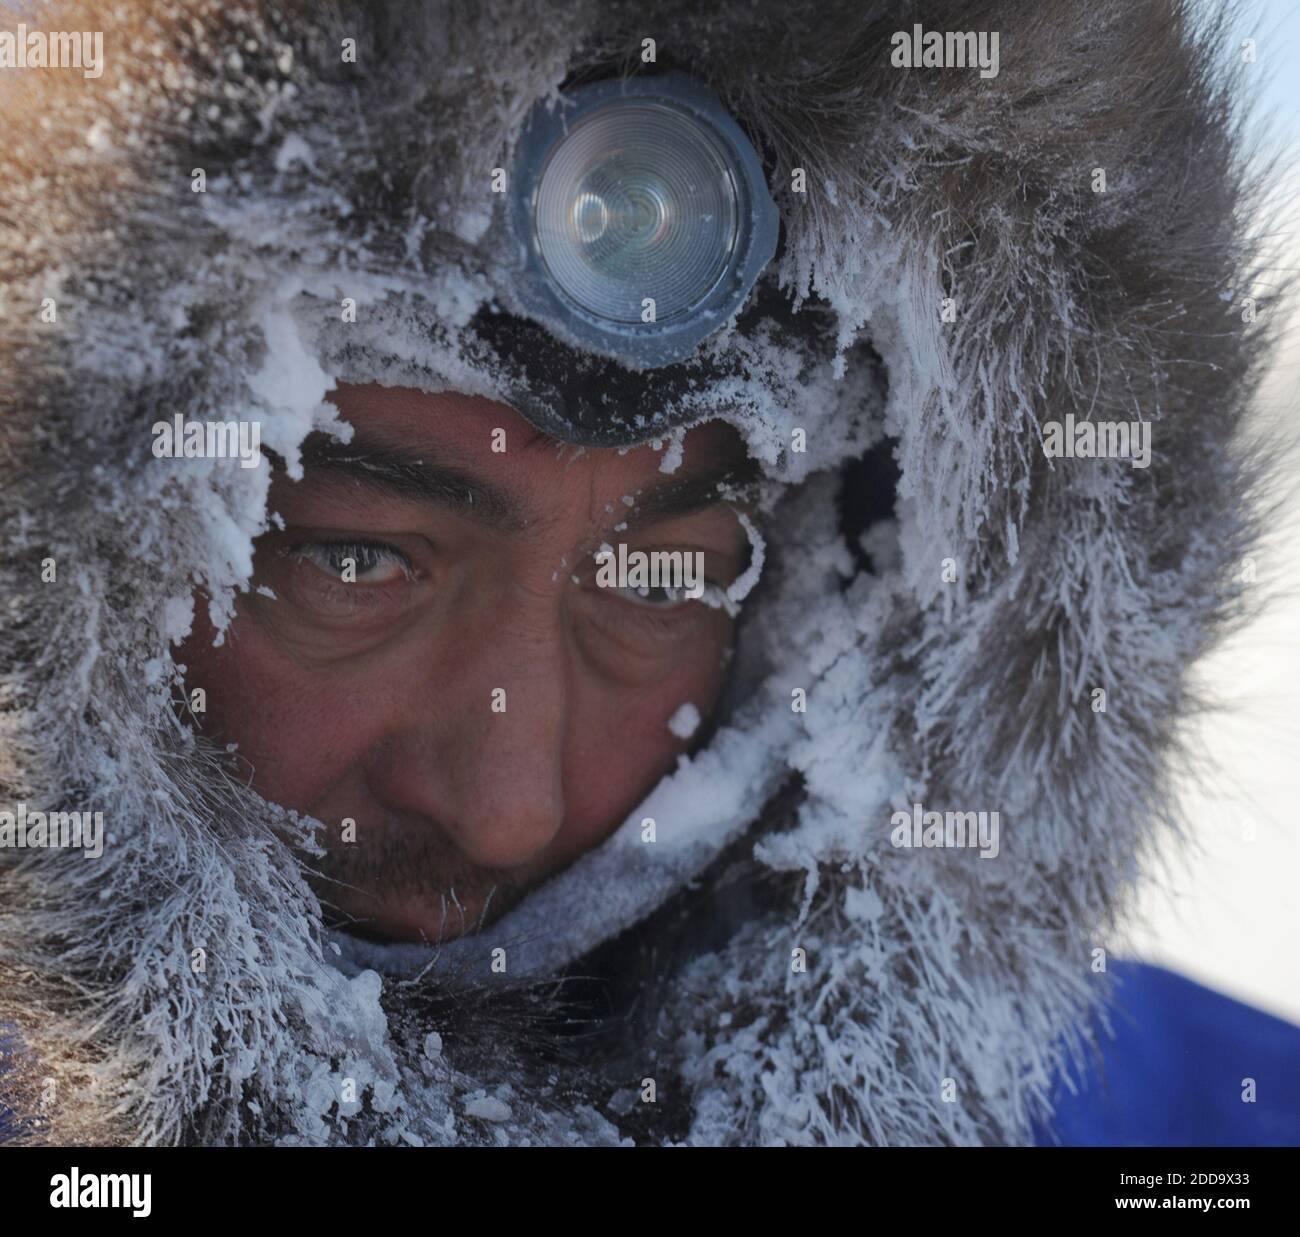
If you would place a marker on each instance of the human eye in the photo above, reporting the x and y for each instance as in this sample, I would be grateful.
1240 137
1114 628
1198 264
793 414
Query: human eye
658 597
354 561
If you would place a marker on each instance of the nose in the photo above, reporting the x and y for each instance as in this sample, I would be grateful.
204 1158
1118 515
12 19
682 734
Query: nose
481 754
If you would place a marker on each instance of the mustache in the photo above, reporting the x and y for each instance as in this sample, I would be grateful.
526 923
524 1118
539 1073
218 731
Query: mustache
414 862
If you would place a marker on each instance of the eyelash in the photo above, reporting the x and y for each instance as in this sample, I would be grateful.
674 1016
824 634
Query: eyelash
649 605
669 622
366 554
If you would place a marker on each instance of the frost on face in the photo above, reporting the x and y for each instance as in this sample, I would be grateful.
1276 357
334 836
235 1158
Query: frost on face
685 721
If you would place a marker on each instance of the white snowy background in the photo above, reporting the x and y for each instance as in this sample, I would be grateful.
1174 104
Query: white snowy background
1229 916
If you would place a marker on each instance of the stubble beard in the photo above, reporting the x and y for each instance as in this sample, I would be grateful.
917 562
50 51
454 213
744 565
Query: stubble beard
400 866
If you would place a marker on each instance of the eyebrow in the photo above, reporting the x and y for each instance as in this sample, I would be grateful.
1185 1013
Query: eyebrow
386 468
414 476
676 497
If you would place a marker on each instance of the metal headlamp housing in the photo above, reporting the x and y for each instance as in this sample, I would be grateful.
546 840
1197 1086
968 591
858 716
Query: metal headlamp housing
639 217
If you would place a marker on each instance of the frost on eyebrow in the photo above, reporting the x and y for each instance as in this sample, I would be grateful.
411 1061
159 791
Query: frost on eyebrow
685 495
414 477
744 583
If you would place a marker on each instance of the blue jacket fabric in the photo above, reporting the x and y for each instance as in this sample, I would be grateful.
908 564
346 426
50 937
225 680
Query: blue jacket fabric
11 1124
1176 1072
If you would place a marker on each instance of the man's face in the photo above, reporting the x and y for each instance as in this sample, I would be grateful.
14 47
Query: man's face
473 700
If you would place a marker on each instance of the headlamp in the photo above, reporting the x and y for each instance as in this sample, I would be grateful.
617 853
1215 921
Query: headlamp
640 217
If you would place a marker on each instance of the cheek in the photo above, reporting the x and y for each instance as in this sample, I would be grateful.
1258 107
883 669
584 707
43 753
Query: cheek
287 721
620 745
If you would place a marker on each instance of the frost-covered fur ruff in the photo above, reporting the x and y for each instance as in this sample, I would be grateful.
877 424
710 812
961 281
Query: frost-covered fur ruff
950 653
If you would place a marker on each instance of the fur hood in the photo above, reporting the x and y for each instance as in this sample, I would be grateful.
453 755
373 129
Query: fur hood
976 625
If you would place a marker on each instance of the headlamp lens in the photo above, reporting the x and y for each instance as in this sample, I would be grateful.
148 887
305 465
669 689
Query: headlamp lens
639 218
638 202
